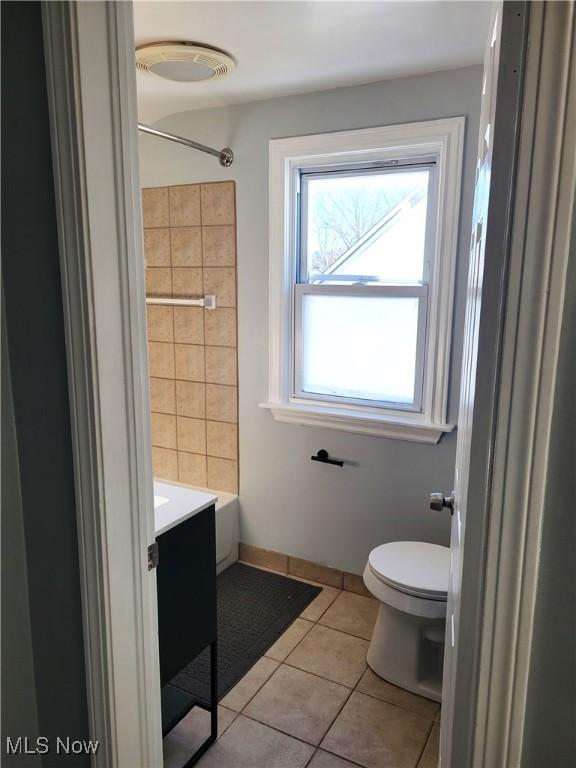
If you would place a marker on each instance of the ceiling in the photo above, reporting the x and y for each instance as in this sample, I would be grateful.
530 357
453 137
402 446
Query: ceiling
283 48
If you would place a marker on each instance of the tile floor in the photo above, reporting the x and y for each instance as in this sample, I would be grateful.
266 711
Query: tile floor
311 702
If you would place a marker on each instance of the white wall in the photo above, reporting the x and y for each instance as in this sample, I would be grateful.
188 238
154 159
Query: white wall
318 512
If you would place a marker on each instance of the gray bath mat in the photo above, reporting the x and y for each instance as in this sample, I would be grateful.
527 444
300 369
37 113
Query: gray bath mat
254 608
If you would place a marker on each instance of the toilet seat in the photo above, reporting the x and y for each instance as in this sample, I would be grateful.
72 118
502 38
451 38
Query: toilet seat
412 567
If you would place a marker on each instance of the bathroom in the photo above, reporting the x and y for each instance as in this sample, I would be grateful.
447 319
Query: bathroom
287 384
219 417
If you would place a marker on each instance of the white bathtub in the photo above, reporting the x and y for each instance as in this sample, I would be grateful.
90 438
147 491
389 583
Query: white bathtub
227 520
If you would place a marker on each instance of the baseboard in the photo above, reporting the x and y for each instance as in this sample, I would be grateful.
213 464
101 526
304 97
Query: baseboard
303 569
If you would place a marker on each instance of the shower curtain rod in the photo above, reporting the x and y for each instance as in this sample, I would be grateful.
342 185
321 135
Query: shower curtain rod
225 156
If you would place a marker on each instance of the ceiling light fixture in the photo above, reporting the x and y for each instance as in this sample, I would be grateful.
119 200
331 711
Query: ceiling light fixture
183 61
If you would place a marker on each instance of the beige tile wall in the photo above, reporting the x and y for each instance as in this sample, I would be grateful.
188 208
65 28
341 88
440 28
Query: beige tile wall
190 250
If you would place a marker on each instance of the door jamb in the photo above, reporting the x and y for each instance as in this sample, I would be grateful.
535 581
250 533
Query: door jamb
539 254
92 100
458 741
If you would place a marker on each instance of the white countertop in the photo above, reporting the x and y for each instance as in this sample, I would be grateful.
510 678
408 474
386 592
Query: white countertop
175 503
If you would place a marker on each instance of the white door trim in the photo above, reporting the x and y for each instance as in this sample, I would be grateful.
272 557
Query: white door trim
480 380
92 96
534 307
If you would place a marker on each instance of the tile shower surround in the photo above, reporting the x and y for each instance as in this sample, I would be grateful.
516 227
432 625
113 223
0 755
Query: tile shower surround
190 251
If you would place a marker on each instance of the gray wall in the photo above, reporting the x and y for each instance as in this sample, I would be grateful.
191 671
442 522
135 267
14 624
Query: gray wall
329 515
19 714
41 522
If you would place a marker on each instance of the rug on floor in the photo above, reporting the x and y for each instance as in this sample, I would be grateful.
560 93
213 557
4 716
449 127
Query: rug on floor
254 608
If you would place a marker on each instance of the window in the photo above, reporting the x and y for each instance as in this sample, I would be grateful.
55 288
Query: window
363 229
361 289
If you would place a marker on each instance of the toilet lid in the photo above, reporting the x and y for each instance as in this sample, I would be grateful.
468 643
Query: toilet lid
413 567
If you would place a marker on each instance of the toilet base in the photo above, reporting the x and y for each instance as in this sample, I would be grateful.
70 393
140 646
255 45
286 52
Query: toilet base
408 651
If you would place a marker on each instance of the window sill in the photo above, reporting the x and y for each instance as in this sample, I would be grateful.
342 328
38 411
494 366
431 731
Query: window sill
411 427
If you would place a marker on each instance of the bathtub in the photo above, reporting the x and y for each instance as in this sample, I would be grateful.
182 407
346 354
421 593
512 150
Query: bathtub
227 518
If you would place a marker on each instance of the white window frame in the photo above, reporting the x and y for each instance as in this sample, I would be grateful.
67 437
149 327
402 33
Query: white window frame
442 140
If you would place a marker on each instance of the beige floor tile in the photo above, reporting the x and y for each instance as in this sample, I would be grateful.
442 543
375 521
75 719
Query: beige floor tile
377 734
380 689
429 758
289 640
331 654
250 684
324 759
183 740
298 703
352 613
249 744
320 604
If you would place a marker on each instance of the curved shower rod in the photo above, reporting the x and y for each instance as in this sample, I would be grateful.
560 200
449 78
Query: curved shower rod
225 156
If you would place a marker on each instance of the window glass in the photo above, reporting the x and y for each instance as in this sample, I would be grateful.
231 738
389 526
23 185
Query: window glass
360 347
365 227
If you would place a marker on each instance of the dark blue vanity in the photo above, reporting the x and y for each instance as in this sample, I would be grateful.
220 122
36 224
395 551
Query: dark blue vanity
186 584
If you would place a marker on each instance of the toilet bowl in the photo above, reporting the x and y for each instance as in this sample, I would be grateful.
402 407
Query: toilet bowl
410 579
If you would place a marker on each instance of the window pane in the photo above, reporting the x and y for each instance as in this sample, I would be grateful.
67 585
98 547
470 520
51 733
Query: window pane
370 225
360 347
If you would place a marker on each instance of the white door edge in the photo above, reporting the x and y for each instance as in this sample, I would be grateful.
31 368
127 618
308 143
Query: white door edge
92 98
534 308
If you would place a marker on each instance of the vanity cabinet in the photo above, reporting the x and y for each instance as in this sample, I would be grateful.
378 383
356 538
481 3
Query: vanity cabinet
186 585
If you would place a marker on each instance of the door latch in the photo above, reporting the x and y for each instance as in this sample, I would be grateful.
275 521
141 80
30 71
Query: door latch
438 502
153 556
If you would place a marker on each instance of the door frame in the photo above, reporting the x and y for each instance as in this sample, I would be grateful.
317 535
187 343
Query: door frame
92 92
91 78
487 276
517 368
539 254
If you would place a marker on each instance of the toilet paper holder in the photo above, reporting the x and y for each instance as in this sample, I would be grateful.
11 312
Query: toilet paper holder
324 458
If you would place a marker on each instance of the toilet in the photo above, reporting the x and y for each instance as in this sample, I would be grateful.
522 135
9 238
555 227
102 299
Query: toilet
410 579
